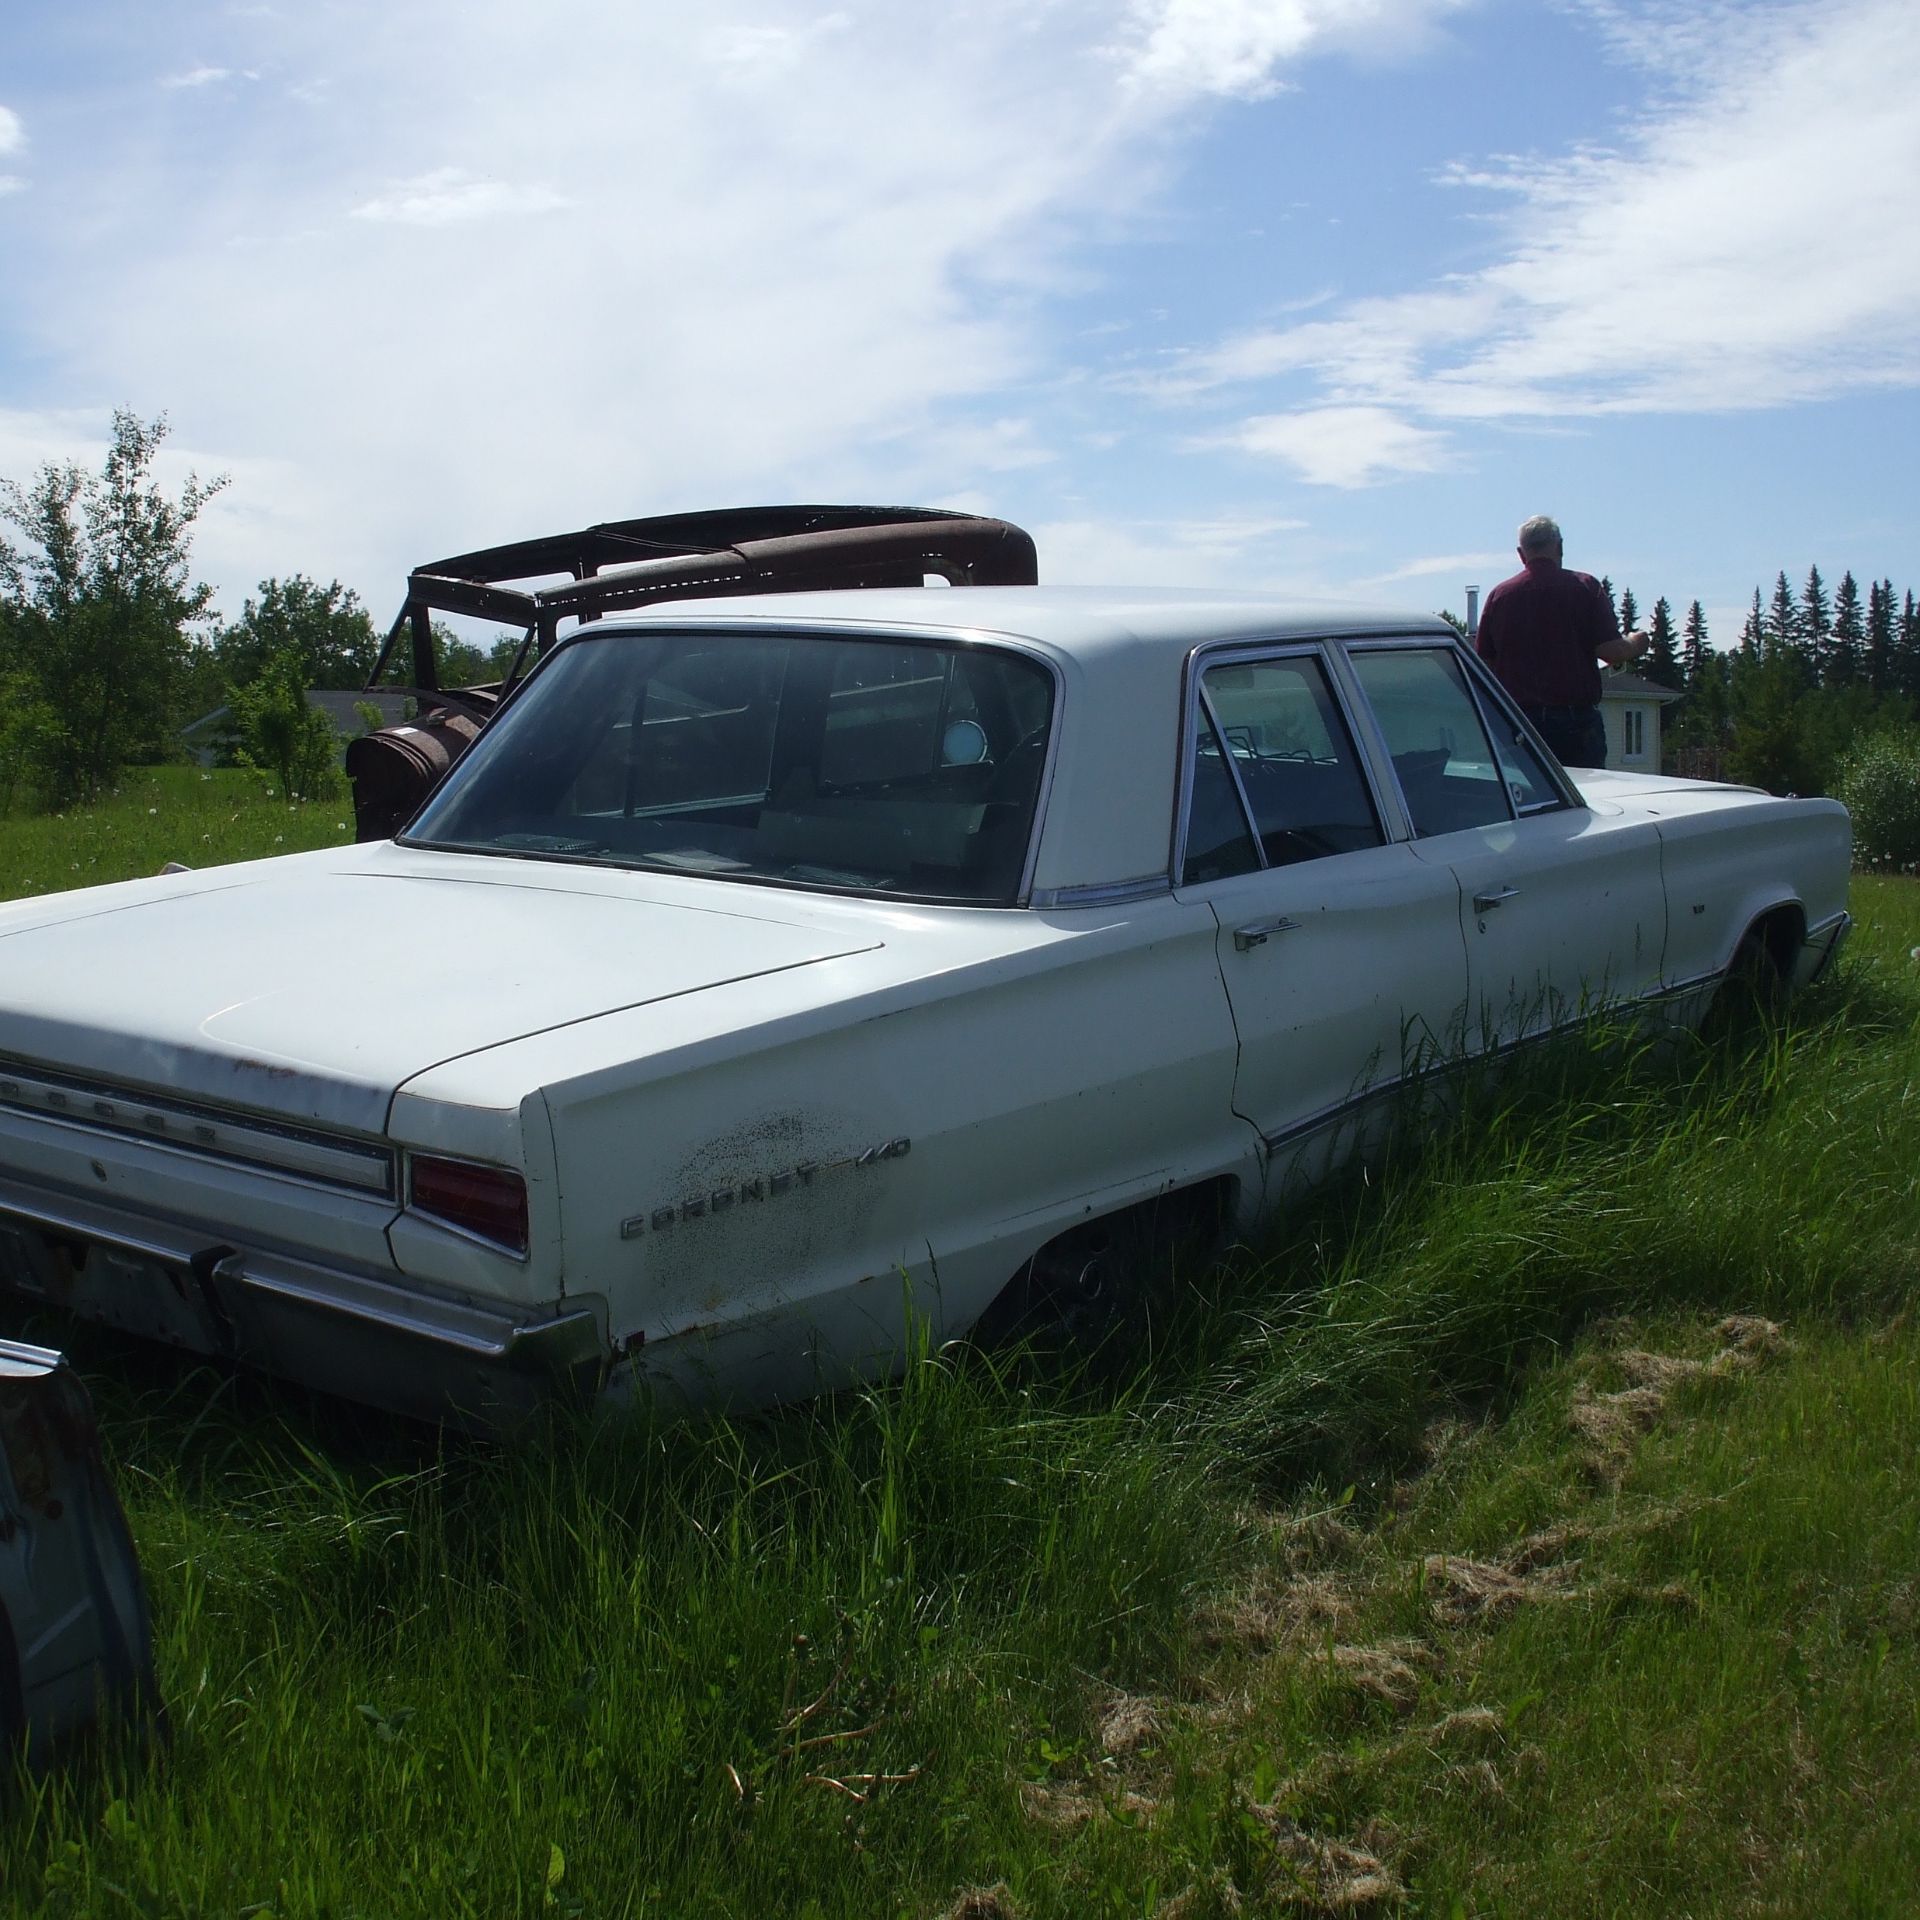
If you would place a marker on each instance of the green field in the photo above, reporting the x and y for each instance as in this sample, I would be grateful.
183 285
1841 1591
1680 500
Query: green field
1525 1529
200 817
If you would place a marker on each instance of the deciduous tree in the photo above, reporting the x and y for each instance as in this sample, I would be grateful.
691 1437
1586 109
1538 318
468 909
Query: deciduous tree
327 628
103 600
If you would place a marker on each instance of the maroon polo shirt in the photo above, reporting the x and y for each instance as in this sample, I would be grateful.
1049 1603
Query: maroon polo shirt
1542 631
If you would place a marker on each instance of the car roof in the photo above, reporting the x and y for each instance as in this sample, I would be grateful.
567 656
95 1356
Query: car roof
1119 654
1080 621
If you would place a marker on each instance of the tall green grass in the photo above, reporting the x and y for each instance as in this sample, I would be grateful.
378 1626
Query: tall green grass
819 1662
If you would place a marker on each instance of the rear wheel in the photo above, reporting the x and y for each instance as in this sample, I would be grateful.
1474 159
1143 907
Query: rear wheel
1098 1286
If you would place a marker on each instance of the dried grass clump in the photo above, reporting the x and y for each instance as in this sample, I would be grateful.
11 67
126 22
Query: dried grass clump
1475 1592
982 1903
1388 1672
1609 1423
1131 1723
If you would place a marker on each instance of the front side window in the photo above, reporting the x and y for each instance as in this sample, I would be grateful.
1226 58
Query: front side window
1446 766
871 766
1271 745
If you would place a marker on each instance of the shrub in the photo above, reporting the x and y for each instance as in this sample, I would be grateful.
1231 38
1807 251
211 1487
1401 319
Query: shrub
1880 784
281 734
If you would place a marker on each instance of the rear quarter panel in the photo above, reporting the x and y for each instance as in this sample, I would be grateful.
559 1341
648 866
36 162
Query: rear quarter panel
763 1181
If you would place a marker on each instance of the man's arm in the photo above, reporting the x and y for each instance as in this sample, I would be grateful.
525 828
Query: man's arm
1618 652
1608 644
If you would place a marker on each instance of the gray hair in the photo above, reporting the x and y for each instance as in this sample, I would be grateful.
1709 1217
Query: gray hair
1541 534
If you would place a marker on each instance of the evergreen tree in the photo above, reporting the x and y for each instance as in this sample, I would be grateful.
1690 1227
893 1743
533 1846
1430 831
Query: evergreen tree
1815 625
1906 675
1880 660
1753 633
1629 610
1662 664
1781 625
1693 646
1846 653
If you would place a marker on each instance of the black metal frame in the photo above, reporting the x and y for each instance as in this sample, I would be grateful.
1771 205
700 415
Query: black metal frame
621 564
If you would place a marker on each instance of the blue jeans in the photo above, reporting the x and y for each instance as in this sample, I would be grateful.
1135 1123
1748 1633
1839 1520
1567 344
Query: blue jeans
1577 735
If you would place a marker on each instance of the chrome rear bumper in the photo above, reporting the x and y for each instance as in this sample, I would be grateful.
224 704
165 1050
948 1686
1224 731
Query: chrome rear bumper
367 1337
1821 948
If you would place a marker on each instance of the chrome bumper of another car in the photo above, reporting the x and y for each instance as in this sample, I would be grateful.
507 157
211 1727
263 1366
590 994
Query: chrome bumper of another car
76 1642
1821 947
375 1340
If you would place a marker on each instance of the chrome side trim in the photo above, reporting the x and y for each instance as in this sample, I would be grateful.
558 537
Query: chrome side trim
201 1132
1457 1063
1108 893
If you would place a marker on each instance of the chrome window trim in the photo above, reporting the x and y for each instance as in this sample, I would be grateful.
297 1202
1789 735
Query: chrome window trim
880 632
1442 643
1487 687
1103 893
1206 707
1327 651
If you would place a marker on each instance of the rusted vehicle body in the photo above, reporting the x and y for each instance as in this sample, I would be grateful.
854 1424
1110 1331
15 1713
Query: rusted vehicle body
618 566
76 1644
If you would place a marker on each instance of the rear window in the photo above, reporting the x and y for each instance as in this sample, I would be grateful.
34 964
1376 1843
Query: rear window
869 766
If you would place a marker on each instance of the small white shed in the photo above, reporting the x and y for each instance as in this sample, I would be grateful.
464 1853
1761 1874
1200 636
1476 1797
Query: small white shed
1630 705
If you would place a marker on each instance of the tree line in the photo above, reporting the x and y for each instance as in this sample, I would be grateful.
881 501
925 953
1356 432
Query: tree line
1813 672
109 646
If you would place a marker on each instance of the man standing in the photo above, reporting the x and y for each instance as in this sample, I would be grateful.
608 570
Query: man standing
1541 633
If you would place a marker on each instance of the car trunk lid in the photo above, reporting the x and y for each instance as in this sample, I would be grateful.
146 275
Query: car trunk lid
313 988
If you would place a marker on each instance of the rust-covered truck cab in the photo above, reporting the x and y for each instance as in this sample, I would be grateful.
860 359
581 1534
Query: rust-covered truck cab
621 564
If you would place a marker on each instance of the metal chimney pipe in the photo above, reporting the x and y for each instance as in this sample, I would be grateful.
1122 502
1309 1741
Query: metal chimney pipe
1473 612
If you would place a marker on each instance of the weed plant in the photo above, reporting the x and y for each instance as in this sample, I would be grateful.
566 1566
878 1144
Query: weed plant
855 1657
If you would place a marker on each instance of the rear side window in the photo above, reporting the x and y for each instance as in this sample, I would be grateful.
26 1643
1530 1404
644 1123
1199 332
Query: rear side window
1273 751
1446 766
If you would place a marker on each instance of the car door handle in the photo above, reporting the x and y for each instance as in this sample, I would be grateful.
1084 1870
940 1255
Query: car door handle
1254 933
1486 902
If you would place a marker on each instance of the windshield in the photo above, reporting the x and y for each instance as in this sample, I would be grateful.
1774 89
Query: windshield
883 765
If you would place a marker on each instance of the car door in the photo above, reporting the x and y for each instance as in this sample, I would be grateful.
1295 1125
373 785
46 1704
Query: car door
1340 948
1562 908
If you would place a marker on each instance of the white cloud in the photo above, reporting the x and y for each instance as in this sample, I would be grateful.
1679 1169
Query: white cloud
1482 567
449 196
697 300
1341 446
1251 553
197 77
13 136
1744 248
12 183
1235 46
756 51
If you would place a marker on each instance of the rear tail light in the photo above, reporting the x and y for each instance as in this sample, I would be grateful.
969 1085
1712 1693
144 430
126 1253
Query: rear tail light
489 1201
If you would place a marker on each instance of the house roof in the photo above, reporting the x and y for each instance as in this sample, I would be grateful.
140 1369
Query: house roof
1634 686
343 709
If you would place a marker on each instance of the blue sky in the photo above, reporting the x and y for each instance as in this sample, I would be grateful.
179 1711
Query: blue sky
1316 295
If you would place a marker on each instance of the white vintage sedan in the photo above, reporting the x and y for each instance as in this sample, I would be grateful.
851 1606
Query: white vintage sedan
776 973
